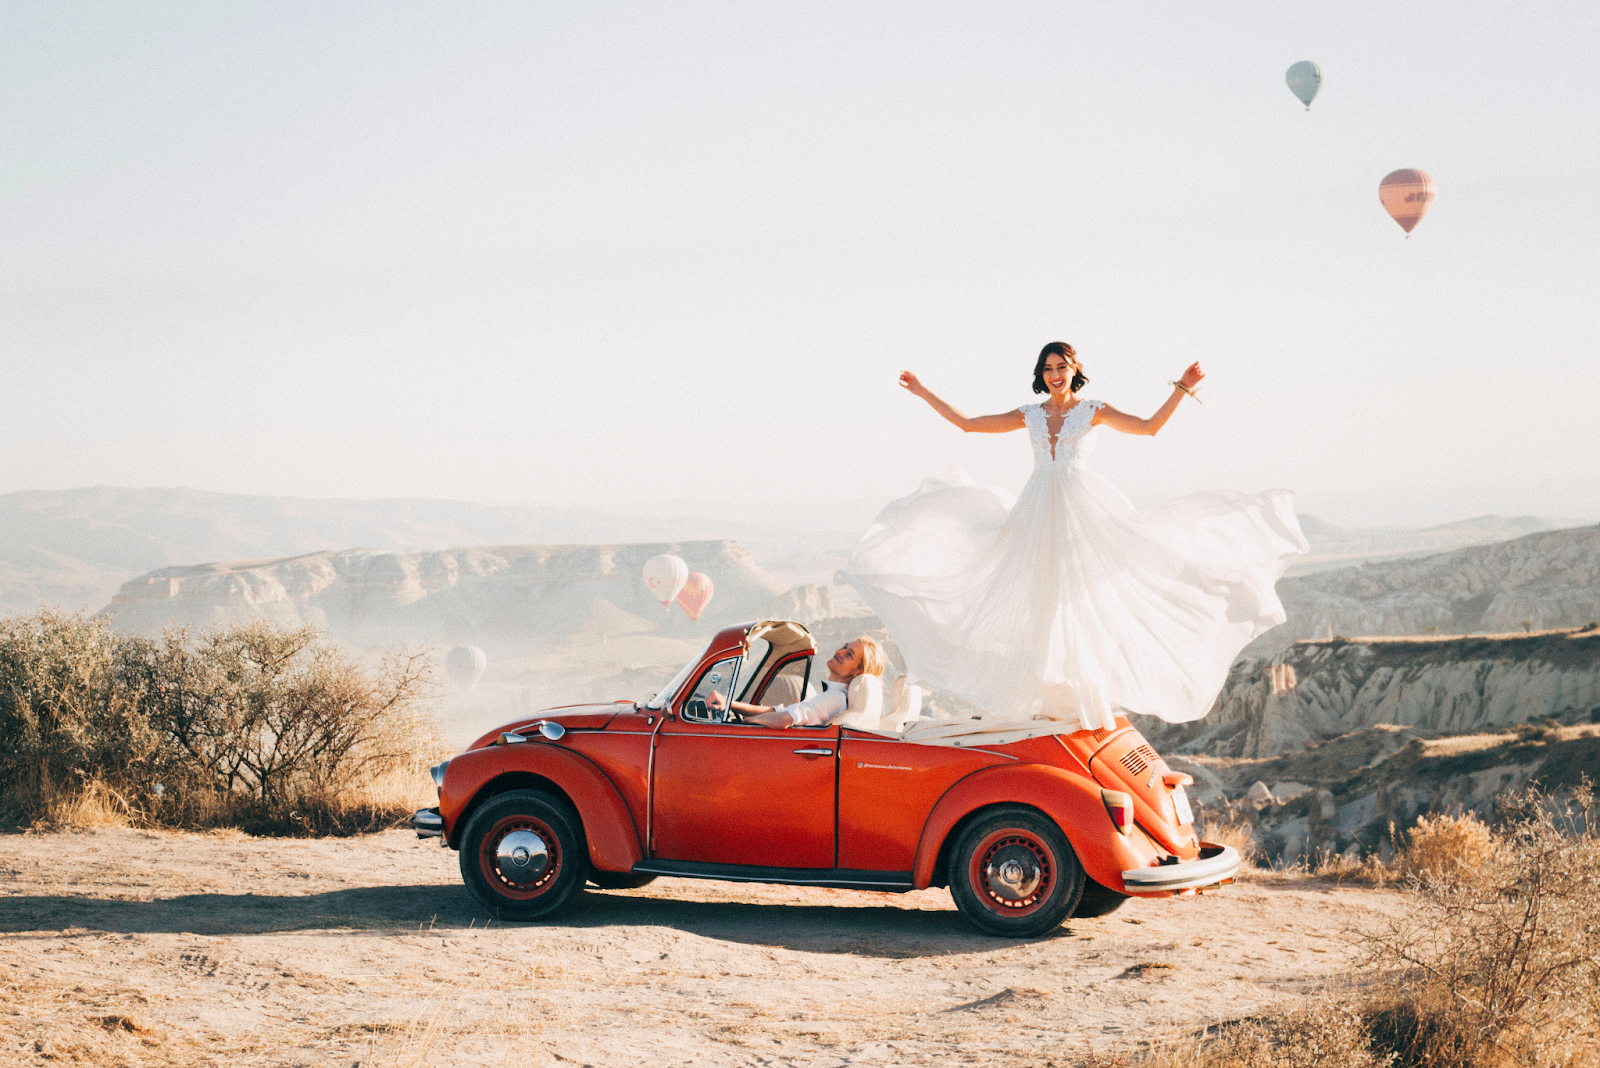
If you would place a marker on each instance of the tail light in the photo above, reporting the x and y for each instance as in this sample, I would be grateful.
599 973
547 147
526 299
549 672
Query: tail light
1119 806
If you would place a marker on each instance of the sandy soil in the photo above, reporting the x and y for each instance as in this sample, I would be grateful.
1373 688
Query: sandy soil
130 947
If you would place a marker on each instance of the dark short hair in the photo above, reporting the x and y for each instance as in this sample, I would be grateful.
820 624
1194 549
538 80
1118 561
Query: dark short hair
1058 348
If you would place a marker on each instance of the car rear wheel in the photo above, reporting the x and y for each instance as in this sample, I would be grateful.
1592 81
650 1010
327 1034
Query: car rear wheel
1013 873
1097 900
619 880
523 855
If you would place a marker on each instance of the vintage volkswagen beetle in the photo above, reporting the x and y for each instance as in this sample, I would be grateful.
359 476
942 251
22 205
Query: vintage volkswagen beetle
1025 828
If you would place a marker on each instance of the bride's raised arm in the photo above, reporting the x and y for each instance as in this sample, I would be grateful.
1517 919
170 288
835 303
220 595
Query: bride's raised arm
1132 424
972 424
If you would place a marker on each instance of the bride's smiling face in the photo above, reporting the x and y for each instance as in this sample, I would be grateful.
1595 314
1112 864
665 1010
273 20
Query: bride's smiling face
1058 372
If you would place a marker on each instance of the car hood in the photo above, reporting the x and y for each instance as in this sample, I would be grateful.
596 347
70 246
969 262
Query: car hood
572 717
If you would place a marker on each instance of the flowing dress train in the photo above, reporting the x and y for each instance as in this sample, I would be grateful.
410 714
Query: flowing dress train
1069 604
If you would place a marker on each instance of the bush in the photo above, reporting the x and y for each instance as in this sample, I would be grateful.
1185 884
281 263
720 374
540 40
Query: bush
1493 963
1497 960
1444 846
248 726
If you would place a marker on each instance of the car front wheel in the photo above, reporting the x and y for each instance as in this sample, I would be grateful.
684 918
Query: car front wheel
1013 873
523 855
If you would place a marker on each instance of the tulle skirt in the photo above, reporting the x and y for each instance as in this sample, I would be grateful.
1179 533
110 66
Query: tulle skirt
1069 604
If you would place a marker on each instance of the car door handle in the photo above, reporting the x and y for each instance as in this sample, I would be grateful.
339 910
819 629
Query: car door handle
815 752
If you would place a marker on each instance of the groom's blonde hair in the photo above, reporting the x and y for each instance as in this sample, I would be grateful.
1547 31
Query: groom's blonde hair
872 658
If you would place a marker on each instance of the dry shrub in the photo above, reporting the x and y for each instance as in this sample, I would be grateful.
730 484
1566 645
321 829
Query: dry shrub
1498 961
1445 846
266 729
1493 963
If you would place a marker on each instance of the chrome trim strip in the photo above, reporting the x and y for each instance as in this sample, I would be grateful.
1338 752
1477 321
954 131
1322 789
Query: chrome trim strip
650 788
1187 875
903 883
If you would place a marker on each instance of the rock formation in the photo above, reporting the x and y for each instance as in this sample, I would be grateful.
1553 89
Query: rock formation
1441 685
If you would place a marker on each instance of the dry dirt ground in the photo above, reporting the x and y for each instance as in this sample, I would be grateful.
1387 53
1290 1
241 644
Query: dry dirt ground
146 948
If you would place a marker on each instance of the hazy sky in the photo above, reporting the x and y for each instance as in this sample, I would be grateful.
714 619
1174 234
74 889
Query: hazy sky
612 254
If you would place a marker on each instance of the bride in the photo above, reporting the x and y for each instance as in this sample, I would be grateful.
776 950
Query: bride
1069 604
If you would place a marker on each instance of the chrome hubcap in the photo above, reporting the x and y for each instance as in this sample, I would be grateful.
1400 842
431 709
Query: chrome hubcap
522 856
1014 873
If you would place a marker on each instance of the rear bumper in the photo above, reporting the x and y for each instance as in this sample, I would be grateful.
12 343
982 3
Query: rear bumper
428 823
1215 864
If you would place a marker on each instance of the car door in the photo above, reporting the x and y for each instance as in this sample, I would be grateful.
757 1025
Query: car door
730 793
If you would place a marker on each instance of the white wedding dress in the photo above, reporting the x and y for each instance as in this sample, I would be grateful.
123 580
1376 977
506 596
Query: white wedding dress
1069 604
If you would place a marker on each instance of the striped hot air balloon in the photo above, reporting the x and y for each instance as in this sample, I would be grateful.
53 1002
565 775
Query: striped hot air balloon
695 595
1407 194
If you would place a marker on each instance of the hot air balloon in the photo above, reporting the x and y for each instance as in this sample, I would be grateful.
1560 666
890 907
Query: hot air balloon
465 663
1304 79
1407 194
665 576
695 595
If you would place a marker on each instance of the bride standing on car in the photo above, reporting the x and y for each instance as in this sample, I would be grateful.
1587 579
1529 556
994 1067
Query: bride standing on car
1069 604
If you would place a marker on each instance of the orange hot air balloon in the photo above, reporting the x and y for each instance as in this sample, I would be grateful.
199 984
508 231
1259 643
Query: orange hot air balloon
1407 194
695 595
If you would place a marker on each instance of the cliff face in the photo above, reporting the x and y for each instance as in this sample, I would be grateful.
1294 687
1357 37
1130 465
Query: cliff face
1319 690
513 591
1549 579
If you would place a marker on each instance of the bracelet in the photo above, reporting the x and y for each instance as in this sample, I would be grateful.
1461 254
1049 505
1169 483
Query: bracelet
1187 390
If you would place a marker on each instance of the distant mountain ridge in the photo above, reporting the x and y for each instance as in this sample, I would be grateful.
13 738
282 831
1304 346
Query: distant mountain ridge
74 548
1334 547
513 593
1538 581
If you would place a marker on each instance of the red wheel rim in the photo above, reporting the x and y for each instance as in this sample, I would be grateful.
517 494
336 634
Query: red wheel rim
1013 872
500 869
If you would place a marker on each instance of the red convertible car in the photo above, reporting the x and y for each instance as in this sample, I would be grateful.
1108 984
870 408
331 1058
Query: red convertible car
1025 829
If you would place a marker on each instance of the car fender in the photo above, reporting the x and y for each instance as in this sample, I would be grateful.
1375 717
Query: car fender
608 825
1073 801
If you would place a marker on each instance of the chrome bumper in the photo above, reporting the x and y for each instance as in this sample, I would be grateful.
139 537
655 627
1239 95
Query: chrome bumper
1215 863
428 823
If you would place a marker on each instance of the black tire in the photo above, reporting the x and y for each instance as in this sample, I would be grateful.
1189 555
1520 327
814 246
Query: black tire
1013 873
619 880
1097 900
491 873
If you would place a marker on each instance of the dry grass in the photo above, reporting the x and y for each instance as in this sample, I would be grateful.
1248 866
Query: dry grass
1327 1033
1233 830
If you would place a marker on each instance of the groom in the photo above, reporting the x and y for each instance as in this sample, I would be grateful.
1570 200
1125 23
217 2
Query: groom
860 657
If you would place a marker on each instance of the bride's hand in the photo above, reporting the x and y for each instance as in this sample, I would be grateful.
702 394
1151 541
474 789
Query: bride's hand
1191 377
911 382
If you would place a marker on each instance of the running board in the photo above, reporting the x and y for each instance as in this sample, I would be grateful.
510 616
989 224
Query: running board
894 882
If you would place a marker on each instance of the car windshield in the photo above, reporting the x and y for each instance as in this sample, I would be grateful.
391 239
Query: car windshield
659 699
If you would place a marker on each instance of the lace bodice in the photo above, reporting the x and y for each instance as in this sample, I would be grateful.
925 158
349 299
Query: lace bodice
1073 442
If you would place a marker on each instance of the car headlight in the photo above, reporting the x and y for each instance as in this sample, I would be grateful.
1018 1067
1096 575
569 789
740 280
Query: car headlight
437 772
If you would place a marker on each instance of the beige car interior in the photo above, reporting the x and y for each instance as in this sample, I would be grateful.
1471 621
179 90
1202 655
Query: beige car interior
785 639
